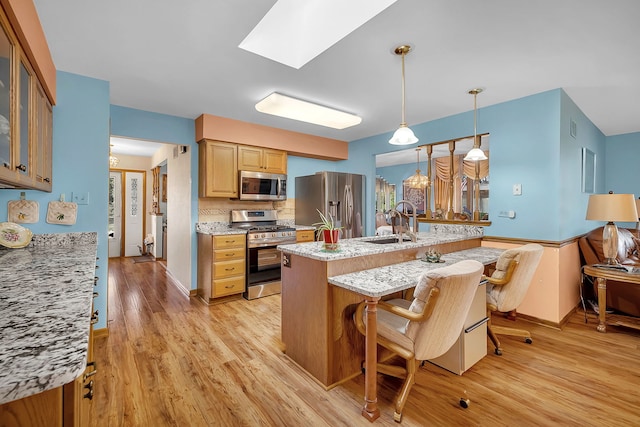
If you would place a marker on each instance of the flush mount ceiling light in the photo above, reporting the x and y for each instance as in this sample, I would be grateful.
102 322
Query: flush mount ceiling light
418 180
296 109
475 154
308 28
404 135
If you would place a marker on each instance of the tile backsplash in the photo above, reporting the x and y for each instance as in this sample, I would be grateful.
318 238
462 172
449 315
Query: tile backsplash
219 210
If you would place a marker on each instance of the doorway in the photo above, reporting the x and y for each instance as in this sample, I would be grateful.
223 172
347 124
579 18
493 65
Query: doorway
126 212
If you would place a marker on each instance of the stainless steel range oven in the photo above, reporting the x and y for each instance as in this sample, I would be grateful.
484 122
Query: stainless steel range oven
263 259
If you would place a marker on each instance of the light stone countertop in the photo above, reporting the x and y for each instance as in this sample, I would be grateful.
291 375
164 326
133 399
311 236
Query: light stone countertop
361 246
386 280
46 293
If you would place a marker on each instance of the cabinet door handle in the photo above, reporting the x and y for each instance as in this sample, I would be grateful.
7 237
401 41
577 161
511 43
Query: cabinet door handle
47 180
91 373
231 254
229 287
89 394
229 269
229 241
22 167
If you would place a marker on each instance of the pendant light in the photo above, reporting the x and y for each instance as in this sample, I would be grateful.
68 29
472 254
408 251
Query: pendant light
113 160
418 180
404 135
475 154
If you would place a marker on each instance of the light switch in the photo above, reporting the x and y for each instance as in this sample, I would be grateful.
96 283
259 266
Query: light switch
517 189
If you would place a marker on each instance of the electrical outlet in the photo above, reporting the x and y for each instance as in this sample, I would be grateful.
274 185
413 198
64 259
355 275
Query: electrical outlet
517 189
80 198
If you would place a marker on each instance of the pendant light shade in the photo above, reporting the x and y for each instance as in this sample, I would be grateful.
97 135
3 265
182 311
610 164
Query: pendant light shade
404 135
475 154
418 180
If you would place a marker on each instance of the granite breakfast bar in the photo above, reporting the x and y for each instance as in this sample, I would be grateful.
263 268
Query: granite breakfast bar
376 283
46 295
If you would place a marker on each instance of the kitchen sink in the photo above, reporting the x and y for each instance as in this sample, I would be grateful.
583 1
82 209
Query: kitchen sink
387 240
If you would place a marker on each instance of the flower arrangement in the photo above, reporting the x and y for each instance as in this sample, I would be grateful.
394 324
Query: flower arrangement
432 255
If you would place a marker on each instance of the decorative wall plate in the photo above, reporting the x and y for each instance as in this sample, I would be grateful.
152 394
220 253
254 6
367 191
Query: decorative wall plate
62 213
13 235
23 211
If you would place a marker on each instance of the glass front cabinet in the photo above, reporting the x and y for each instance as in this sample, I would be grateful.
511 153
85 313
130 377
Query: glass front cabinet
26 117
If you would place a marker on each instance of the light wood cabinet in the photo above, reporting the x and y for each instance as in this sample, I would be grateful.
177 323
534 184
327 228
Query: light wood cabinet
305 236
218 172
42 409
25 118
221 266
43 137
261 159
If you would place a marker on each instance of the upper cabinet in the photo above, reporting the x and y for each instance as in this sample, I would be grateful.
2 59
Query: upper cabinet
219 163
218 172
25 118
261 159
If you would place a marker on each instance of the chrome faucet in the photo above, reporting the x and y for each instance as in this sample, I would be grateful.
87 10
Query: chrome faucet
402 229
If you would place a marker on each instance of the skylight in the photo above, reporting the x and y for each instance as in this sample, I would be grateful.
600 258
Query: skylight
294 32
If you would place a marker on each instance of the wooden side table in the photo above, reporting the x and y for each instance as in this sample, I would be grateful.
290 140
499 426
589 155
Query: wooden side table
602 274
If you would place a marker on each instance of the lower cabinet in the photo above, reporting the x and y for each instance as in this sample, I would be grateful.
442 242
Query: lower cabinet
305 236
42 409
471 346
221 266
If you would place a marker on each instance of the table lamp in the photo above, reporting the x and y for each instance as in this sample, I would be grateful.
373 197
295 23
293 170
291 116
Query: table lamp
611 207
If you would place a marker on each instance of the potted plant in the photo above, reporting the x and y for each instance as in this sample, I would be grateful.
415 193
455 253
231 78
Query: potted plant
327 228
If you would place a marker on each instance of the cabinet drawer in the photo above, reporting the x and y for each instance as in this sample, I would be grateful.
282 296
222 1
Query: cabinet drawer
305 236
228 254
228 269
229 241
231 286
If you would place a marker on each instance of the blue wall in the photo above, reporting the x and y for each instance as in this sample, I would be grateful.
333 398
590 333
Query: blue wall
81 150
301 166
622 174
525 146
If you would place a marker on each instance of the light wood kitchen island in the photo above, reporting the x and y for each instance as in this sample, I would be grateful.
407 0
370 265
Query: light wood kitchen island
317 327
320 292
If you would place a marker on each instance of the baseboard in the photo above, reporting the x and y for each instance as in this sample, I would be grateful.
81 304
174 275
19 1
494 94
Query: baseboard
554 325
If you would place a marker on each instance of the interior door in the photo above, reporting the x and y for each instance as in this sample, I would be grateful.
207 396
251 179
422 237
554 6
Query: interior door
133 213
115 213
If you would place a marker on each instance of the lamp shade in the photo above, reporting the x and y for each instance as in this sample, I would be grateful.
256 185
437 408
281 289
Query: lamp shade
475 154
403 136
612 207
638 206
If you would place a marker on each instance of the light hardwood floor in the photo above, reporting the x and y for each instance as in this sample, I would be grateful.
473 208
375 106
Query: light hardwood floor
173 361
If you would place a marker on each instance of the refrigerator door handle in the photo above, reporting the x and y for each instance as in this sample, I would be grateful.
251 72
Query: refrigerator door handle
348 199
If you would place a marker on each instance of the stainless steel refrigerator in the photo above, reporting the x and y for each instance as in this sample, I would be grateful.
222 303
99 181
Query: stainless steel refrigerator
338 194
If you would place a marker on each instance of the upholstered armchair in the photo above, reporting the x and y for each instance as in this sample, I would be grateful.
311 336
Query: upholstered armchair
508 285
427 326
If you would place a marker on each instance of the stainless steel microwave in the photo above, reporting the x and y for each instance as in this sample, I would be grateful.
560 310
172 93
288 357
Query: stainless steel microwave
262 186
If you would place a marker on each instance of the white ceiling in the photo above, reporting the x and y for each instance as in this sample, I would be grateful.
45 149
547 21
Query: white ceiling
182 58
